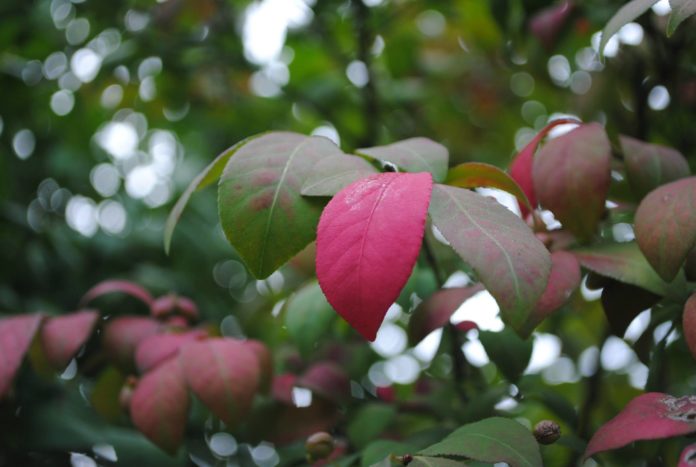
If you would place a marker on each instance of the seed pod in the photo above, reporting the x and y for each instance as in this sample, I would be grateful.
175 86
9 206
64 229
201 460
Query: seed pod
319 446
547 432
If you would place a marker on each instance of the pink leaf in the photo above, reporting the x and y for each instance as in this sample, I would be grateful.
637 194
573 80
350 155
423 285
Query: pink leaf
282 387
111 286
16 334
122 336
546 24
436 310
224 374
157 348
689 323
159 406
521 167
265 360
327 380
688 456
62 336
368 240
650 416
173 304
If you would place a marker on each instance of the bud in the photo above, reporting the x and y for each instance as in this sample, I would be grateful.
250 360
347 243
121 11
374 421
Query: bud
547 432
319 446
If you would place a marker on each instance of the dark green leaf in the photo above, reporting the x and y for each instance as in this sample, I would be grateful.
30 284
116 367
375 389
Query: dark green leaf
381 449
369 422
508 351
307 317
623 302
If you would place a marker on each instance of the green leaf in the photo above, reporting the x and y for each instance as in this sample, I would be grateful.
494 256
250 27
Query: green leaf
211 173
508 351
413 155
626 14
332 174
419 287
623 262
681 9
381 449
503 251
423 461
479 174
369 422
623 302
262 213
307 317
492 440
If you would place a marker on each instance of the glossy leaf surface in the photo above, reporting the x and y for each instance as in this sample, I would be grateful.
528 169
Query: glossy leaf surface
491 440
649 416
332 174
650 165
681 10
159 406
308 316
689 324
572 177
368 240
510 261
665 226
413 155
16 334
625 15
262 213
62 336
479 174
224 374
112 286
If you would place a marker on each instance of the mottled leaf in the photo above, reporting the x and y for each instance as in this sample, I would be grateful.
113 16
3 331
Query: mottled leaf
522 164
689 324
16 334
688 456
623 302
368 240
510 261
331 174
491 440
122 336
327 380
649 416
155 349
261 210
413 155
623 262
224 374
478 174
508 351
436 310
625 15
650 165
111 286
62 336
572 176
665 226
307 317
159 406
563 281
681 10
210 174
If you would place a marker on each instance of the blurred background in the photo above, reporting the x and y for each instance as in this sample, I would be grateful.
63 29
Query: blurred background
109 109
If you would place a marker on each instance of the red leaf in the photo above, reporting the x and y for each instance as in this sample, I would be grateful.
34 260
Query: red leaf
224 374
689 323
282 387
265 360
62 336
650 416
563 280
546 24
572 176
368 240
521 167
172 303
327 380
435 312
688 456
16 334
159 406
157 348
665 226
122 336
110 286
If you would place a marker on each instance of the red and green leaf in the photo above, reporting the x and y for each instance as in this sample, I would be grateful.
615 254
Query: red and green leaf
332 174
413 155
689 324
478 174
16 335
62 336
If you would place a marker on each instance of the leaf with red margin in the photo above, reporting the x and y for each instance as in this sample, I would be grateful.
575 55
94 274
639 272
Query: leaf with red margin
665 226
571 176
689 323
331 174
159 406
16 334
521 166
122 336
413 155
478 174
111 286
650 165
503 251
436 310
563 281
155 349
62 336
650 416
368 240
688 456
265 363
327 380
224 374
